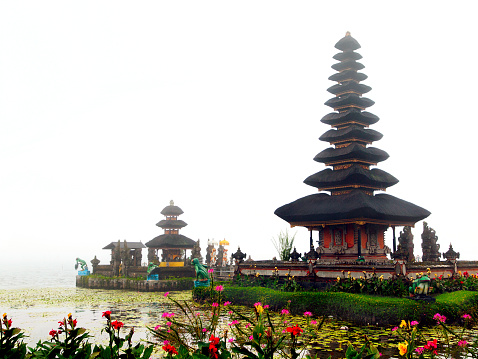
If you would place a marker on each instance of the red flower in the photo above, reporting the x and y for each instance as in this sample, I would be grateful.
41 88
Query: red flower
73 323
294 330
213 341
53 332
61 323
431 345
117 325
170 349
107 314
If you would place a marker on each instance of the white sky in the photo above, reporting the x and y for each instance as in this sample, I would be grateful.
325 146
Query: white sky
110 109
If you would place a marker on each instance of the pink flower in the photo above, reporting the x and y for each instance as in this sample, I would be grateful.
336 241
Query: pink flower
313 322
413 323
257 303
466 316
157 327
227 303
169 324
439 318
166 342
284 331
230 340
166 294
229 312
219 288
248 325
210 270
307 314
251 337
420 350
234 322
204 330
462 343
284 312
215 304
266 306
395 328
198 314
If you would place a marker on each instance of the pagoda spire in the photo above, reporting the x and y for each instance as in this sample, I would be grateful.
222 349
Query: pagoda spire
347 186
351 156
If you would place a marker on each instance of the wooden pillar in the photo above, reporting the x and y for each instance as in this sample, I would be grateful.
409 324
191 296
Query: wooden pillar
394 240
359 241
311 240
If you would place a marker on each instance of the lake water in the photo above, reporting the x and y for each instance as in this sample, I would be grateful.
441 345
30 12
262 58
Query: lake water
37 296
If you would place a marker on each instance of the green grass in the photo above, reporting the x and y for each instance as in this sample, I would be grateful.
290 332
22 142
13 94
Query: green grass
357 308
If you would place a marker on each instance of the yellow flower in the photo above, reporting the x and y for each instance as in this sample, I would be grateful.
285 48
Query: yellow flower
338 279
403 347
259 309
459 272
361 277
403 324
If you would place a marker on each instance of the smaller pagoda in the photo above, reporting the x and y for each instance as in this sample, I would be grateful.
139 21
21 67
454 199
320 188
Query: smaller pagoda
172 244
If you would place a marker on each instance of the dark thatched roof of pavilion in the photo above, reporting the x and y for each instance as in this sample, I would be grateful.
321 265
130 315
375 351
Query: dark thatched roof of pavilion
165 241
131 245
322 208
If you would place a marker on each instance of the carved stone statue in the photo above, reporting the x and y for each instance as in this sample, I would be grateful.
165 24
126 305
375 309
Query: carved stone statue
405 245
239 256
294 256
151 266
430 247
209 250
196 252
451 255
94 262
82 263
201 271
220 256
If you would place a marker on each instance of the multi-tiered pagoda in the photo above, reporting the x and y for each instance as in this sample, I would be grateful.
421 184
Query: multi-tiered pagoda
172 244
351 218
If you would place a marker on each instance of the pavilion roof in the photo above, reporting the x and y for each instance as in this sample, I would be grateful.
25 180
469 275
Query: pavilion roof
355 206
165 241
131 245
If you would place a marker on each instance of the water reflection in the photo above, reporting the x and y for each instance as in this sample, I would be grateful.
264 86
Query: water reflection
37 311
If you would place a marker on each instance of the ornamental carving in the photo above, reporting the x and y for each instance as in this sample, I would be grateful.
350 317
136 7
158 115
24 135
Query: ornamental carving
430 247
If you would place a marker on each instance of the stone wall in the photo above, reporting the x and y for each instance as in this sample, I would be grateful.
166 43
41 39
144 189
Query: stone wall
93 282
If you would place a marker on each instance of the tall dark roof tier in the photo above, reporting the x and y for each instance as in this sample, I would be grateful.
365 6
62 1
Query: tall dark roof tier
171 241
352 116
349 100
354 153
171 224
351 182
353 176
355 206
351 133
346 56
347 43
348 87
349 64
172 210
348 75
